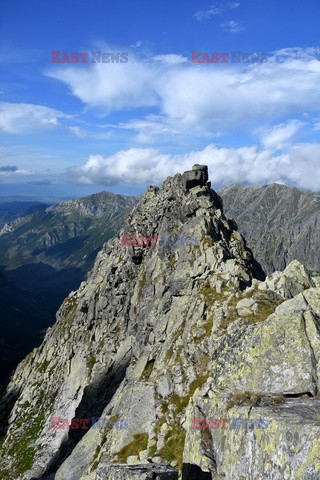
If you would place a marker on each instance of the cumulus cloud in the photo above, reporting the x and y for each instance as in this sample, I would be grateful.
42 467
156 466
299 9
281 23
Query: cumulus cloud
132 166
112 87
282 135
215 9
25 117
205 99
298 166
232 26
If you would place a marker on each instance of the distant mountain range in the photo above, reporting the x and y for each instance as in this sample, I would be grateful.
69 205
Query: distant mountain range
64 235
10 210
280 223
45 254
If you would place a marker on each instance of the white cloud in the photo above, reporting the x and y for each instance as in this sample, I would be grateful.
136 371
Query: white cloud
199 100
282 135
25 117
206 14
112 87
299 166
215 9
232 26
82 133
154 129
171 59
133 166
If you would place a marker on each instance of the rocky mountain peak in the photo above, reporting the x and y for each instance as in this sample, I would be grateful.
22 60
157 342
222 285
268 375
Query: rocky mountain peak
185 206
161 333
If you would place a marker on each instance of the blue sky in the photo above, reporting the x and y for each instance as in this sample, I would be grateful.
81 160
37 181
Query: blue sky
79 127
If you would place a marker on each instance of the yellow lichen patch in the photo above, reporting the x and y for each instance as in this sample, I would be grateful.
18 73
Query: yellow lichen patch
313 458
268 439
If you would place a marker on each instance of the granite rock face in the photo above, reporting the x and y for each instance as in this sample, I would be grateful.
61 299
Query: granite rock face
160 335
280 223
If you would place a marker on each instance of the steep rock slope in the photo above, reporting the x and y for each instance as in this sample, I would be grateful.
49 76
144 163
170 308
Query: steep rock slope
280 223
159 334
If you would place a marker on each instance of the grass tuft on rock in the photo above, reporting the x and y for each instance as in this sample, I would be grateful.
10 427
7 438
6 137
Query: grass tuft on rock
174 446
252 399
138 444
